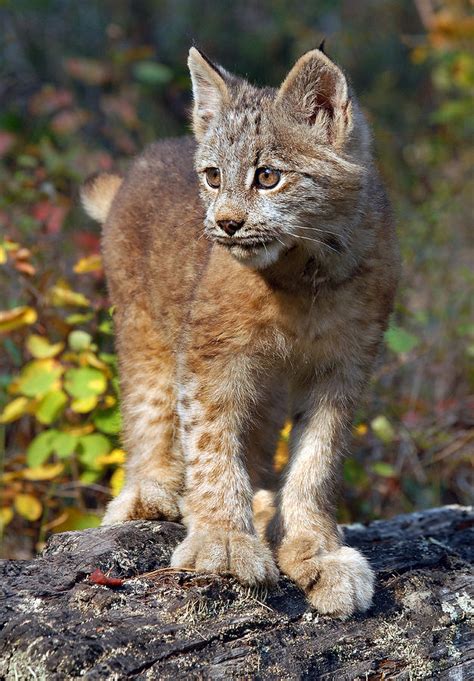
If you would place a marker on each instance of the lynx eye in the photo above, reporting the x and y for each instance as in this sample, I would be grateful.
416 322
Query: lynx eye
213 177
267 178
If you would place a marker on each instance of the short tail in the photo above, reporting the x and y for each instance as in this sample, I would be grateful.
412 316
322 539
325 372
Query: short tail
264 509
97 194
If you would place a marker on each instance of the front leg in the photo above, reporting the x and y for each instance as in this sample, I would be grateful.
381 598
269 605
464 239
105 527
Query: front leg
215 411
337 579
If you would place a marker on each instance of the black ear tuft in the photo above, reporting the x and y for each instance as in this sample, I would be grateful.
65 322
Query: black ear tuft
321 47
209 62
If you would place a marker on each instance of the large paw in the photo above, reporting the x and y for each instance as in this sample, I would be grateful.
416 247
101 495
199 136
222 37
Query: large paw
240 554
147 499
337 583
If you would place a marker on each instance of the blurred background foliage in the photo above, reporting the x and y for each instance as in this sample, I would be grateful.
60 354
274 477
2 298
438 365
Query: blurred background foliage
83 86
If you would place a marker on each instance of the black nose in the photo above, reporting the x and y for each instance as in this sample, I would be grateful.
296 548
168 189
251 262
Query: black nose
230 227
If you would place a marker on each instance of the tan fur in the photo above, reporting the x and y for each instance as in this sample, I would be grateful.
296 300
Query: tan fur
221 338
98 193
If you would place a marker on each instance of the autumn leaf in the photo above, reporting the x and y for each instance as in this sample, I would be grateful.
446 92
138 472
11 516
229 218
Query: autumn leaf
117 480
10 320
14 410
62 296
6 514
47 472
28 506
38 377
98 577
41 348
91 263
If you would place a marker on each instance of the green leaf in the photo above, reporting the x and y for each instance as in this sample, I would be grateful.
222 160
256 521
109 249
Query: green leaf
106 327
85 382
51 407
384 430
108 358
15 410
386 470
354 472
77 520
152 73
108 420
399 340
79 318
38 377
91 447
64 444
47 442
40 448
41 348
90 475
79 340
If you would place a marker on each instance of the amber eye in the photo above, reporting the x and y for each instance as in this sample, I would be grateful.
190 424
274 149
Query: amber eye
213 177
267 178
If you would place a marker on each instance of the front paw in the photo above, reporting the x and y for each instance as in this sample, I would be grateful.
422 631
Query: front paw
146 499
210 549
337 583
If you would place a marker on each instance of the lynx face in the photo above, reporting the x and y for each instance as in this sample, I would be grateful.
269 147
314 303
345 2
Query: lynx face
270 172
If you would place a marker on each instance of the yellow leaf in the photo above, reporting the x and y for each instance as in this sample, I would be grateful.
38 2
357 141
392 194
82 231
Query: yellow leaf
76 520
84 405
281 456
61 295
93 361
285 433
41 348
92 263
6 514
16 318
11 475
115 456
78 431
46 472
39 377
110 401
116 481
361 429
3 255
28 506
14 410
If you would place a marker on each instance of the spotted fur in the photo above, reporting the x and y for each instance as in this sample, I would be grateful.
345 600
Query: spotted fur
222 336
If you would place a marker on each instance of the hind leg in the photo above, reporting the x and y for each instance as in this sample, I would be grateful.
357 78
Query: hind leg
155 467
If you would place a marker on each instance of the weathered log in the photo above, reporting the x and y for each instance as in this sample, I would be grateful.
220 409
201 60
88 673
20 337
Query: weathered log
57 624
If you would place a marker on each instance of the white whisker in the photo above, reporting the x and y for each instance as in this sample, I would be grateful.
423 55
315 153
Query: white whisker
316 241
323 231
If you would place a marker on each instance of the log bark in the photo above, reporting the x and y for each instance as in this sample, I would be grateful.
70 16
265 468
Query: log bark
168 624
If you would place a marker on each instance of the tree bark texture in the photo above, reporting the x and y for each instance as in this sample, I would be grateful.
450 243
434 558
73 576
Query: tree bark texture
59 623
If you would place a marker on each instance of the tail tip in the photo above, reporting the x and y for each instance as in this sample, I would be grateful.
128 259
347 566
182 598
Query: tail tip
97 194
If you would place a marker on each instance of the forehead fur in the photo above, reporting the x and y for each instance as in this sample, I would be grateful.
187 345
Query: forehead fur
253 128
243 122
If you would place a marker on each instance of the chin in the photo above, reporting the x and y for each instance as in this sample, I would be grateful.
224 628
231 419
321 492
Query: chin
259 257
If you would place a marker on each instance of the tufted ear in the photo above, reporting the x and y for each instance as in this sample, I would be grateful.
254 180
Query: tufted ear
210 91
315 92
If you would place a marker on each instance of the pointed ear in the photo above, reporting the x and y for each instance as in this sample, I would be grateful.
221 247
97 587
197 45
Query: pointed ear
210 91
315 92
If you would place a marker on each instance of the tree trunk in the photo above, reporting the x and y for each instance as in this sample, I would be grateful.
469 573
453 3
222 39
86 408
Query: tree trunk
58 624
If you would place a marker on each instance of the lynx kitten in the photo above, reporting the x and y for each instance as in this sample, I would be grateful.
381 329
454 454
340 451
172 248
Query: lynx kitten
278 312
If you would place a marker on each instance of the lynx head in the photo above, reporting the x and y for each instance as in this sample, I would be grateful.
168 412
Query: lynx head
279 168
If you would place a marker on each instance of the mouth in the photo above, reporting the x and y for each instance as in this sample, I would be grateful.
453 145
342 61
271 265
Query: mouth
255 253
242 246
